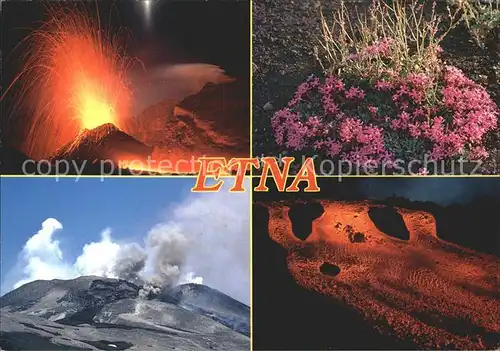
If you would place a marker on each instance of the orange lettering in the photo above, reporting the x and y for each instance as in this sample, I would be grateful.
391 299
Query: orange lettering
306 174
270 164
205 170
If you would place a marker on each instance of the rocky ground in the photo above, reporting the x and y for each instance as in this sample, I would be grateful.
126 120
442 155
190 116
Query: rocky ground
285 34
91 313
416 287
390 274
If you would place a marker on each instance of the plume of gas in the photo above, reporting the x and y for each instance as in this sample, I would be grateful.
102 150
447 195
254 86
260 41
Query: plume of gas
129 262
166 252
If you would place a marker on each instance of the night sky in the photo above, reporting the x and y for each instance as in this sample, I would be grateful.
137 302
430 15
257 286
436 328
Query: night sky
179 31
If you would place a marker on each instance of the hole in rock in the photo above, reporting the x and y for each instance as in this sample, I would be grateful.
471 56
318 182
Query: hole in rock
329 269
389 221
302 215
357 237
354 236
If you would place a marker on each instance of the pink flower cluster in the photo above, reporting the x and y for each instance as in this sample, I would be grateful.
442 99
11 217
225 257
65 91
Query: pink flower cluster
451 116
381 47
355 94
411 89
467 113
294 133
383 85
328 90
331 131
369 141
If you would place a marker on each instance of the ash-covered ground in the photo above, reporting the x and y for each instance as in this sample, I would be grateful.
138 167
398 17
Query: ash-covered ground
94 313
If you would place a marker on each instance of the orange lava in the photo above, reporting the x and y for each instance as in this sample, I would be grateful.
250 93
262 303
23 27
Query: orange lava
433 292
73 79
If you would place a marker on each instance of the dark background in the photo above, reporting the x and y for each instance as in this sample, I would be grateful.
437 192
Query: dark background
214 32
288 317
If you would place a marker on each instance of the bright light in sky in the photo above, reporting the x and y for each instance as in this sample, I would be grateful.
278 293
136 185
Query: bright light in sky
148 7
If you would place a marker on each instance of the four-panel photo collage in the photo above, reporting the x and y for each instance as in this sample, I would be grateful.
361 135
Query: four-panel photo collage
250 175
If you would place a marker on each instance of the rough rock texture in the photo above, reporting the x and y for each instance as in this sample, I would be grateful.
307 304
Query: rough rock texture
105 142
421 291
214 122
107 314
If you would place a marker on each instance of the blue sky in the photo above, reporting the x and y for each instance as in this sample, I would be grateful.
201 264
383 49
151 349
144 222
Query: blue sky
130 207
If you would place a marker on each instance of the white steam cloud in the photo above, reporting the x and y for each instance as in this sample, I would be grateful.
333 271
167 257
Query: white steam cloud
43 257
204 239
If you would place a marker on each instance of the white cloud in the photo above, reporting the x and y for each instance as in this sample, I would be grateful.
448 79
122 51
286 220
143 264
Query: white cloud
43 259
217 227
190 278
42 255
98 258
42 244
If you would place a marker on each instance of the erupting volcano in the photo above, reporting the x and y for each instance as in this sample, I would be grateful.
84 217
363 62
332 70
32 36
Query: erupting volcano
74 78
79 85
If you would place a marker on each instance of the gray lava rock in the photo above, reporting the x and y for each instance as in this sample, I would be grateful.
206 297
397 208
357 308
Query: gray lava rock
93 313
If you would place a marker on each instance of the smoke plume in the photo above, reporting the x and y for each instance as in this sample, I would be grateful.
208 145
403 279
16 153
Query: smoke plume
203 239
129 262
170 253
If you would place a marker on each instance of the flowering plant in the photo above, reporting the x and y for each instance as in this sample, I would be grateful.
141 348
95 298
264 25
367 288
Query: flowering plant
374 123
388 38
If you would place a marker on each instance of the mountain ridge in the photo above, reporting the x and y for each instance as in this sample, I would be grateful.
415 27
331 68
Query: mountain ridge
78 310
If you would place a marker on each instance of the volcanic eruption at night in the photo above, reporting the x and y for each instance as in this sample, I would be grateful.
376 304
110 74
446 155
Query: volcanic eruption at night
79 89
74 80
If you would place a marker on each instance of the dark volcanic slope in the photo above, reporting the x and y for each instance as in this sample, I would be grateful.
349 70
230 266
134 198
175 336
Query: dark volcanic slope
108 314
12 160
105 142
201 299
215 122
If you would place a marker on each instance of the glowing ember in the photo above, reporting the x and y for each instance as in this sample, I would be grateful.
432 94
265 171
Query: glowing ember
73 79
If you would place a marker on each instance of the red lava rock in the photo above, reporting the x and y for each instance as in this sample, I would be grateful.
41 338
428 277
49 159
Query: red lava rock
435 293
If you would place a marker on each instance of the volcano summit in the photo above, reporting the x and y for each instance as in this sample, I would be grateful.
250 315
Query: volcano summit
93 313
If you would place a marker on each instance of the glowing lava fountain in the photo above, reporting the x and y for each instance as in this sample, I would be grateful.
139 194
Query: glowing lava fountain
73 79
